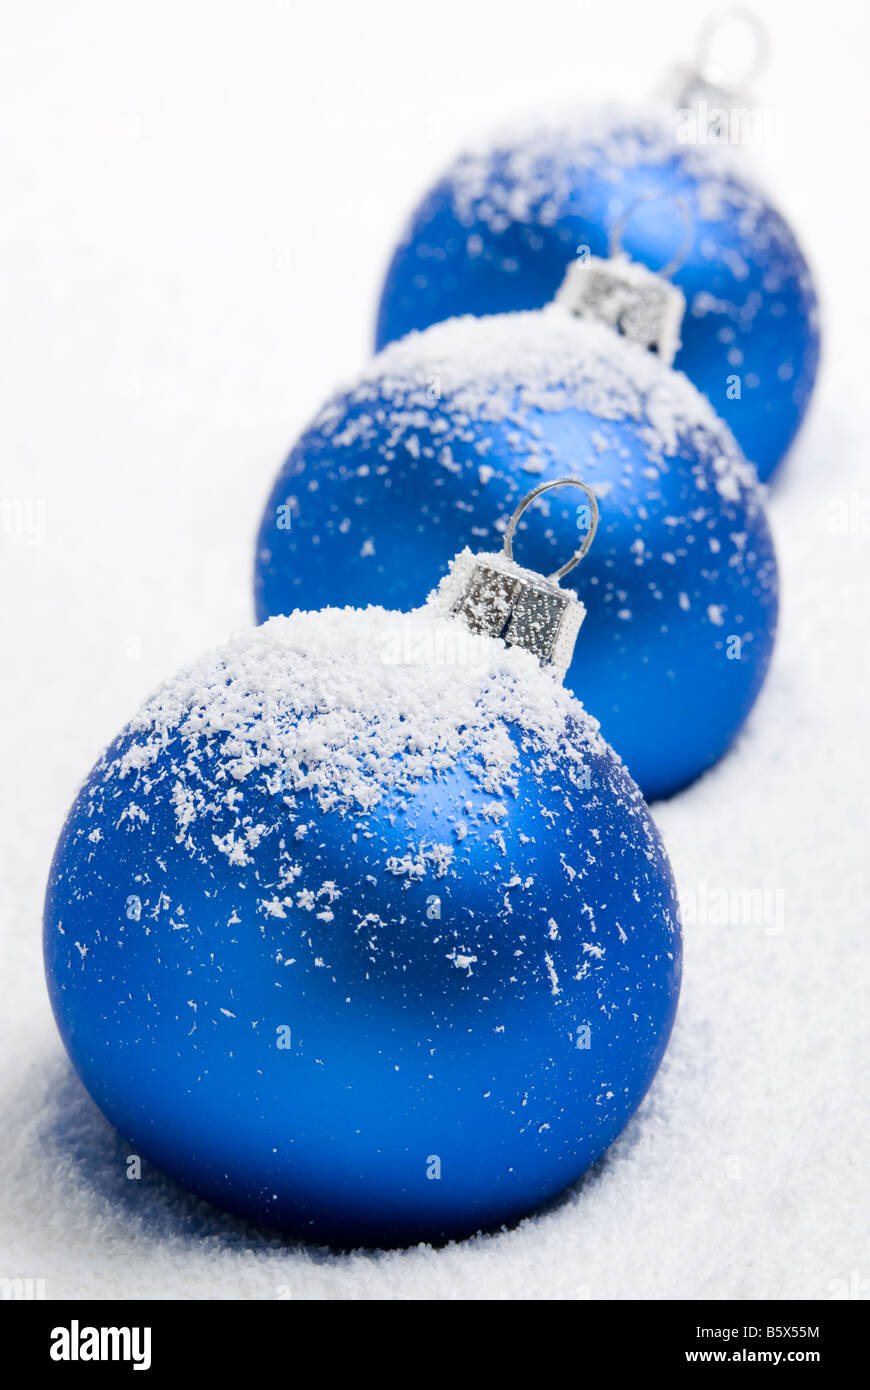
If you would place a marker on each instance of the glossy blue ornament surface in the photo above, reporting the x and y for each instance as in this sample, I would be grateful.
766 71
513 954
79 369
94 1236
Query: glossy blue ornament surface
499 230
431 450
363 1023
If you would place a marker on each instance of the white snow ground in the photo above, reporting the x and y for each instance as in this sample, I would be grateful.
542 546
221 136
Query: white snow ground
196 204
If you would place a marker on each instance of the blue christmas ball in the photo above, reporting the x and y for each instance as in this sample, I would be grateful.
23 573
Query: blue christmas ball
431 448
361 930
498 231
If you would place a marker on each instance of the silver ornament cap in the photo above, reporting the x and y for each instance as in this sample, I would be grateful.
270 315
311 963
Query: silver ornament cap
496 597
712 90
640 304
626 296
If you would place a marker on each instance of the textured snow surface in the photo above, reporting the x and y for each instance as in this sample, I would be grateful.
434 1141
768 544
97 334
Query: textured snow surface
350 705
576 138
500 367
175 311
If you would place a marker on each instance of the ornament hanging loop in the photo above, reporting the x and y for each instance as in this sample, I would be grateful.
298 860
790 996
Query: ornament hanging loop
715 25
678 260
587 539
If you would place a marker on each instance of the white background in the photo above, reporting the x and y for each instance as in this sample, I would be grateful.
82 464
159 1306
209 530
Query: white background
197 203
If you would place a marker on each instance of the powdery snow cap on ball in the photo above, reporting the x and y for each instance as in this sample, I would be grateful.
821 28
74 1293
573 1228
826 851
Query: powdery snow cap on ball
350 705
540 157
500 368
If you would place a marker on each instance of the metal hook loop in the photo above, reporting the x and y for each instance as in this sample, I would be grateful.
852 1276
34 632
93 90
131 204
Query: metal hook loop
587 539
715 24
677 261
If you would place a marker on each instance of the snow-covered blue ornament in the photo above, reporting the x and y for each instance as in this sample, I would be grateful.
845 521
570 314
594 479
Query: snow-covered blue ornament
360 929
500 228
431 448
